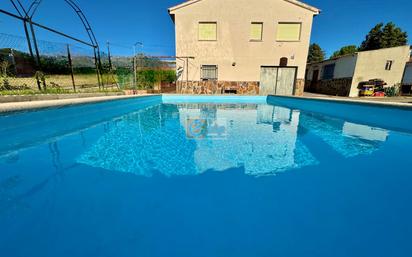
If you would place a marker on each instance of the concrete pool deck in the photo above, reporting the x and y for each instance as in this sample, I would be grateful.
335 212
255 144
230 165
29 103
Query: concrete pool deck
397 99
23 106
399 102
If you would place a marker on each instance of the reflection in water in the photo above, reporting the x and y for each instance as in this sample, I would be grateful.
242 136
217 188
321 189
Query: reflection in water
252 141
144 143
261 139
348 139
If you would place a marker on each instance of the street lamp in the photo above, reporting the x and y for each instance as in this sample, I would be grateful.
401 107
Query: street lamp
140 44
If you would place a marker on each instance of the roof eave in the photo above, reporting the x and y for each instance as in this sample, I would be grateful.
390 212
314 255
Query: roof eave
172 15
315 10
184 4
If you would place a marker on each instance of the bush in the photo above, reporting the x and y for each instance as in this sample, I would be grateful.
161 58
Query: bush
146 79
392 91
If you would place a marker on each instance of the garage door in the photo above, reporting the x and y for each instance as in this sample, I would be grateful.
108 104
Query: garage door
277 80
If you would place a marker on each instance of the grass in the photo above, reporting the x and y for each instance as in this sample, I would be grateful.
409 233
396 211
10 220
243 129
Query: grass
62 81
54 91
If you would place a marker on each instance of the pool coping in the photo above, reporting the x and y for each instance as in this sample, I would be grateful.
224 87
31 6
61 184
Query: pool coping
397 105
33 105
36 105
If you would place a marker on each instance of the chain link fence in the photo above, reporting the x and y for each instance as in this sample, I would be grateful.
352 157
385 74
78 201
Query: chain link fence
67 68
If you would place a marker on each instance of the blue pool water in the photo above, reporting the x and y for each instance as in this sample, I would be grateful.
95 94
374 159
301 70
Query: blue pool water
206 177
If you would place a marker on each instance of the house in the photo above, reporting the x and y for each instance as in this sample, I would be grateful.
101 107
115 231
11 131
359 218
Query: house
242 46
341 76
407 79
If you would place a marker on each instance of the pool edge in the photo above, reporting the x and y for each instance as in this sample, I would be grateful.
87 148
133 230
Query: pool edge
38 105
361 102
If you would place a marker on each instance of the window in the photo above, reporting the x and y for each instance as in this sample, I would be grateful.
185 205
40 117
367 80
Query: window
288 31
389 65
209 72
328 71
256 31
207 31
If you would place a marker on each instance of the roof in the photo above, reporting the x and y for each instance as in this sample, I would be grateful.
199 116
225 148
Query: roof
295 2
356 53
334 58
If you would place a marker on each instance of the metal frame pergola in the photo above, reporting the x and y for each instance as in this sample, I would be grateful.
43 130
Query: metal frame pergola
26 16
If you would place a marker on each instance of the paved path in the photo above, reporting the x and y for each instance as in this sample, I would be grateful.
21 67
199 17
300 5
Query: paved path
399 99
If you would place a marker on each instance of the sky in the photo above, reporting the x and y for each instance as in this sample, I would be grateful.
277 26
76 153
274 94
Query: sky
125 22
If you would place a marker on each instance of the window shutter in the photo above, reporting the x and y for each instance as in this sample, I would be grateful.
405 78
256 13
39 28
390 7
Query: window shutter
288 32
208 31
256 31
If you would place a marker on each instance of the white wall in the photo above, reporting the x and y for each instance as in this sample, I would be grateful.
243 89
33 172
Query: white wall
371 65
344 67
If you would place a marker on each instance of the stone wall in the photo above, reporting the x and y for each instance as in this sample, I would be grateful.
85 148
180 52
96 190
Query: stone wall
218 87
167 88
336 87
299 87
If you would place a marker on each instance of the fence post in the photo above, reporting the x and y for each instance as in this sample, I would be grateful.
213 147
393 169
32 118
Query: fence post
109 55
111 74
97 68
100 66
36 49
26 31
69 57
13 61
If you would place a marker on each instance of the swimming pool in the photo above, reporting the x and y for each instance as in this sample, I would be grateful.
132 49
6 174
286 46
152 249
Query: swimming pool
181 176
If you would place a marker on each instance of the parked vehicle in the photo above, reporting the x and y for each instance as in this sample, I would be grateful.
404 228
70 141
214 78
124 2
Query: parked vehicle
373 87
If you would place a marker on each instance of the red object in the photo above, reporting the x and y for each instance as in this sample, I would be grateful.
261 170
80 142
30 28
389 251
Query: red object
379 94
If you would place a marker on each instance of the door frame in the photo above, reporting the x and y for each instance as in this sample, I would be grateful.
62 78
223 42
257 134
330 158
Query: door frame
277 74
314 80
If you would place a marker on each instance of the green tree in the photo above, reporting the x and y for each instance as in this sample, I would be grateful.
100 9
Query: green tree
384 36
316 54
393 36
351 49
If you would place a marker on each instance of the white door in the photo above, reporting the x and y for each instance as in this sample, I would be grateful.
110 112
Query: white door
286 81
277 80
268 80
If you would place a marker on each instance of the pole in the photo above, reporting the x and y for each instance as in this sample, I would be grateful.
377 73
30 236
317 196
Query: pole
36 49
134 67
97 67
13 60
109 55
26 31
187 72
99 61
69 58
111 75
34 59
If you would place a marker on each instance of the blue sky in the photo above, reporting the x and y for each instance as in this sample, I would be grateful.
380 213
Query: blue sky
124 22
